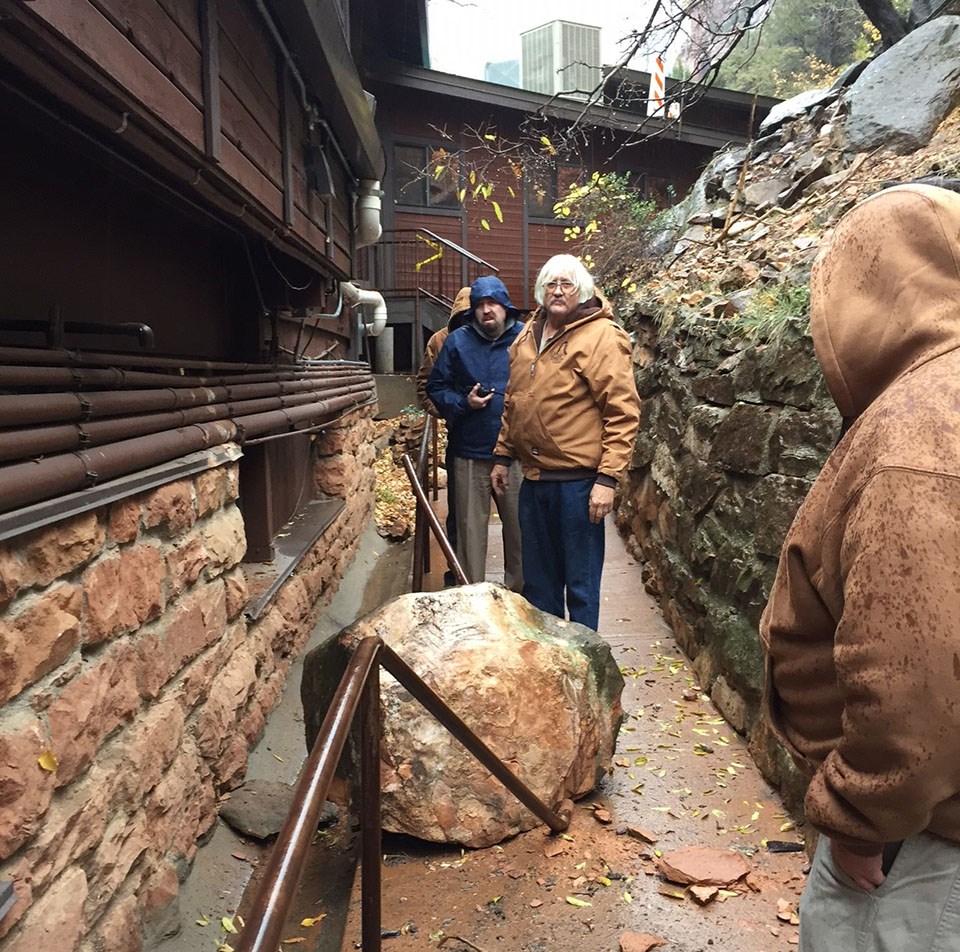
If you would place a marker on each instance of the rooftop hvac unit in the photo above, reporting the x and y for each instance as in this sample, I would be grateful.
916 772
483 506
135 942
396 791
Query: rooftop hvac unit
560 58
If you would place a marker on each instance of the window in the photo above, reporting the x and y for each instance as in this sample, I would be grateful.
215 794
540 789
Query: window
544 186
416 181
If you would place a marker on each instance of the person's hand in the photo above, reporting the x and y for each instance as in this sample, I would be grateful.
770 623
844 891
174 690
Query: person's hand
865 871
500 478
601 501
476 402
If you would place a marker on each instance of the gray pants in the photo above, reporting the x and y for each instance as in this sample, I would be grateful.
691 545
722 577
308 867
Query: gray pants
916 909
474 491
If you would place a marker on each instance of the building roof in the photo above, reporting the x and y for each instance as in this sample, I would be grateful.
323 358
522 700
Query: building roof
727 122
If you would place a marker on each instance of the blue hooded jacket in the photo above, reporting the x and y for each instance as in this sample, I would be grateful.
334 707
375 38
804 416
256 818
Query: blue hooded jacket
469 357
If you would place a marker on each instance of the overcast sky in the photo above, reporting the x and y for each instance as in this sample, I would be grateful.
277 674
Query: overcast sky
464 36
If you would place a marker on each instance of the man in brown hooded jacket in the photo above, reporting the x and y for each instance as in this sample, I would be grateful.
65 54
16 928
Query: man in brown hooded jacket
862 630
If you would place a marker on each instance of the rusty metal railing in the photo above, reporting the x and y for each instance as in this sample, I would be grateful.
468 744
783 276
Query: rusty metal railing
359 691
427 518
408 258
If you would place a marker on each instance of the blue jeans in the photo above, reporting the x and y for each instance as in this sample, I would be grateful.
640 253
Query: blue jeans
562 549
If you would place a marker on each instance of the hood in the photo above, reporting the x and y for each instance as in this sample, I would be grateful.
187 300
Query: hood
492 287
460 311
885 292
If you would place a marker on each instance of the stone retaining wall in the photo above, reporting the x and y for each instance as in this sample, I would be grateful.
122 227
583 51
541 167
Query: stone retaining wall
132 688
733 433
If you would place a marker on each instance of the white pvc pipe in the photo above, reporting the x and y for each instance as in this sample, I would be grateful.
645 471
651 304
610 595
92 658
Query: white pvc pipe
368 229
354 295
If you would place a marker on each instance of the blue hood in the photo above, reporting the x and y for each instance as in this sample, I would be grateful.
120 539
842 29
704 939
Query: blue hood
492 287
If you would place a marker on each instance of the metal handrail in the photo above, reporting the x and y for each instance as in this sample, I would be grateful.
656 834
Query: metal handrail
421 552
420 541
359 689
396 266
452 245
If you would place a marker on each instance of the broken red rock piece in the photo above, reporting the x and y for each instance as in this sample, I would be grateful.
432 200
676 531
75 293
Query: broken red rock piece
704 894
640 942
671 891
639 833
602 815
703 866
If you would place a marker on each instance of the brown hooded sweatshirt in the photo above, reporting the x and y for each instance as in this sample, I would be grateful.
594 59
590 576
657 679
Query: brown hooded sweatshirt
573 406
459 315
862 630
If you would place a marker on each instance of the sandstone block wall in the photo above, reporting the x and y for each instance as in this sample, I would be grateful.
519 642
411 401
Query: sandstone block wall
132 687
732 435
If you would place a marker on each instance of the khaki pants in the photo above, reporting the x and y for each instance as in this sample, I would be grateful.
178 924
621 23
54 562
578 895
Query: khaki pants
474 491
916 909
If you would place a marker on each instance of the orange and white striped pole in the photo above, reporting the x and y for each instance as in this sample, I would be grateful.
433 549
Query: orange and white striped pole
655 96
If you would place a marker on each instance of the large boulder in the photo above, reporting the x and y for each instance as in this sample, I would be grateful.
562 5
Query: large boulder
905 93
542 693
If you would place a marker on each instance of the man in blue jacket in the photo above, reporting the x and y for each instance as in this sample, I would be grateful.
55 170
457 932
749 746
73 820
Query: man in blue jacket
466 385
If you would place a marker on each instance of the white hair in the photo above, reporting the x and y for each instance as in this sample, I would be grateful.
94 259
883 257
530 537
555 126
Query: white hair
564 266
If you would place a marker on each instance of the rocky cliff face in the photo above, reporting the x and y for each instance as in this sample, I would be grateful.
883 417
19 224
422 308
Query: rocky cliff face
737 421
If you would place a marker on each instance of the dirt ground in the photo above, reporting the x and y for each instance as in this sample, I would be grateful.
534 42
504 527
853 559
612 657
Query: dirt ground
681 778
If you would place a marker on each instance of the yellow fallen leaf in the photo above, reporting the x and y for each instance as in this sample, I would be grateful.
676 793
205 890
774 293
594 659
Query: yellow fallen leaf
573 901
313 920
484 224
627 897
203 921
296 940
228 925
48 761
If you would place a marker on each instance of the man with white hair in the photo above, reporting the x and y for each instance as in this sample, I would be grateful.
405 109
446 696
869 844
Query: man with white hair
571 416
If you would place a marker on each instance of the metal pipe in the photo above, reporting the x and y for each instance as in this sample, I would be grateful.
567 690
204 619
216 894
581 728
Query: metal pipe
259 424
73 358
29 443
434 523
558 819
22 409
268 913
113 378
25 483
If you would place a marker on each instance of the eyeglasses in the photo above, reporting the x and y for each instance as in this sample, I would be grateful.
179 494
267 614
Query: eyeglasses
564 285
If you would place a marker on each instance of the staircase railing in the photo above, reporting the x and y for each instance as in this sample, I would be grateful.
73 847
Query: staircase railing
407 259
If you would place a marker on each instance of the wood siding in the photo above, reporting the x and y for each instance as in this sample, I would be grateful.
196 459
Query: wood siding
520 244
152 51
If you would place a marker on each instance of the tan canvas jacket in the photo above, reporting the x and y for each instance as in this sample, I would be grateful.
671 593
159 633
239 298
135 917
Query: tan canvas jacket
458 315
862 630
575 405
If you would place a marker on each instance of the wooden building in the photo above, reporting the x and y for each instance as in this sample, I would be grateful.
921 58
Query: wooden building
422 113
186 436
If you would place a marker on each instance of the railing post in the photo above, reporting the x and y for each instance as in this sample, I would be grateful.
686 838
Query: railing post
370 820
423 502
419 543
267 914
